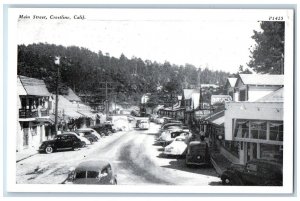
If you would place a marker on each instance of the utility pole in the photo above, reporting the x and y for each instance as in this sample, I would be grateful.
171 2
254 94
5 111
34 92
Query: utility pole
57 62
107 86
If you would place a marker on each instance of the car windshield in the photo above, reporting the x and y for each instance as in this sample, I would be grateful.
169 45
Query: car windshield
87 174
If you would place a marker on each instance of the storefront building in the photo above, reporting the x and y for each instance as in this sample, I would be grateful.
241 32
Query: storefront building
257 127
34 107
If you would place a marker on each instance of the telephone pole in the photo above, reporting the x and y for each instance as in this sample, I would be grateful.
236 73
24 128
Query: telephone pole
57 62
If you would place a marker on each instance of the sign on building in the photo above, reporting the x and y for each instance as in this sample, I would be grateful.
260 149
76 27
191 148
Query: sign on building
218 99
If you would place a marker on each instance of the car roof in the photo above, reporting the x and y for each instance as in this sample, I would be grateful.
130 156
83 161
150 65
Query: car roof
92 165
85 129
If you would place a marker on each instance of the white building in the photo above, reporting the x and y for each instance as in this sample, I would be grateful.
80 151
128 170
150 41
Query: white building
257 127
34 106
251 87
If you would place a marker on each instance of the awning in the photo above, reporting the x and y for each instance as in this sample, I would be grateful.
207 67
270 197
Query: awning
87 114
219 121
72 114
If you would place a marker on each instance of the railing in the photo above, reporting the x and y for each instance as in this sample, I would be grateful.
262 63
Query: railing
23 113
45 113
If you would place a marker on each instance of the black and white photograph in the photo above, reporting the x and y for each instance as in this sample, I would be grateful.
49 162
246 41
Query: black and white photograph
150 100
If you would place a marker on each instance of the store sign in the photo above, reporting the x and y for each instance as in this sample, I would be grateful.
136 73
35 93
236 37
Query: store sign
220 99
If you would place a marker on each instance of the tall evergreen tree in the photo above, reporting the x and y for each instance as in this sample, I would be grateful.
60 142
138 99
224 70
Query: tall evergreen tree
268 53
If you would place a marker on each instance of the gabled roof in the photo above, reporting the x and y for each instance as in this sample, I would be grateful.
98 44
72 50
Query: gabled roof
231 81
72 96
259 79
33 86
276 96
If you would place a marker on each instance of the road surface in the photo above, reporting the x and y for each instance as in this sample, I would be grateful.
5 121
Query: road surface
134 156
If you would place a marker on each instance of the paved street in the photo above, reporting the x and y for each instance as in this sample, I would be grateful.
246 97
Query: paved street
135 158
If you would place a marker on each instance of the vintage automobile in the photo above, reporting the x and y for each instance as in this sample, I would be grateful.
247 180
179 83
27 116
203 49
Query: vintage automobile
159 120
94 132
166 126
61 142
177 147
197 153
94 172
87 134
258 172
169 135
84 140
144 124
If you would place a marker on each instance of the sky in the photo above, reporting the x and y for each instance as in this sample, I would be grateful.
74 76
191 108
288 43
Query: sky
202 39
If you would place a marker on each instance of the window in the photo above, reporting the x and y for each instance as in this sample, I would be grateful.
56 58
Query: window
242 128
81 175
276 130
242 95
269 151
232 147
92 174
258 129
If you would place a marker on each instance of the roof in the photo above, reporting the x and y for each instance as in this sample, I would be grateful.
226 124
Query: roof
214 116
261 79
33 86
231 81
219 121
276 96
92 165
72 96
188 93
67 108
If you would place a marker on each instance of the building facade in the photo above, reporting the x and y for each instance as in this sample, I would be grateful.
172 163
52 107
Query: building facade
34 108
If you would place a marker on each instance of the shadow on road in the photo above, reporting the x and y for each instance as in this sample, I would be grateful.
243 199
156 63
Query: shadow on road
179 164
214 183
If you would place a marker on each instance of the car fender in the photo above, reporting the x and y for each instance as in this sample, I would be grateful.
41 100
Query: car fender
228 173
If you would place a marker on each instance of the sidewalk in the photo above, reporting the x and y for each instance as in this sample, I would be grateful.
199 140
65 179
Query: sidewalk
220 163
26 153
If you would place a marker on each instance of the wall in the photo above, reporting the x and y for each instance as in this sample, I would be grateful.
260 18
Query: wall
257 92
250 110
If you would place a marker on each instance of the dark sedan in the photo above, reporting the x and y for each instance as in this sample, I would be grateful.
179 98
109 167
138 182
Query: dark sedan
61 142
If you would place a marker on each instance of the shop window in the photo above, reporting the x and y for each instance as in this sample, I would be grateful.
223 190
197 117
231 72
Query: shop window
269 151
276 131
258 130
242 128
232 147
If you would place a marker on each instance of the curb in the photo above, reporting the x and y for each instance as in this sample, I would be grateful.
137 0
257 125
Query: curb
26 157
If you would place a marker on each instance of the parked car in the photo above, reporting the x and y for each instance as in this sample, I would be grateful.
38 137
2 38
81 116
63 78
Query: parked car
94 132
95 172
84 140
168 136
258 172
166 126
177 147
159 120
144 124
87 134
61 142
197 153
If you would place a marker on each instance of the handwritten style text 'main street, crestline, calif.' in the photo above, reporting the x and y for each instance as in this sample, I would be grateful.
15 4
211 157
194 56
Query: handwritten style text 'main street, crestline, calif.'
51 17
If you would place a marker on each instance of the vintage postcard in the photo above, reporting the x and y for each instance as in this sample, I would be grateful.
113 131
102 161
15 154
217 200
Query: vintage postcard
150 100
